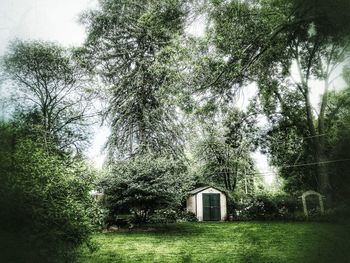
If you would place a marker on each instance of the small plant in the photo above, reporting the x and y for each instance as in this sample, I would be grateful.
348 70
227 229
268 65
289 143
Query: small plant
186 216
163 216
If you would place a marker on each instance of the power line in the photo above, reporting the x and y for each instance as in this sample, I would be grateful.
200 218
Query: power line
288 166
313 136
315 163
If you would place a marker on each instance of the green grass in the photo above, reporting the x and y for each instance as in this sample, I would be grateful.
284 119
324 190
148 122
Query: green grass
226 242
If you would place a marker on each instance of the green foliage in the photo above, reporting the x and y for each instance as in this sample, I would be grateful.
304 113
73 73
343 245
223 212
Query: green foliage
128 44
271 42
331 18
51 92
269 207
44 202
337 142
165 216
222 152
98 214
217 160
186 216
145 184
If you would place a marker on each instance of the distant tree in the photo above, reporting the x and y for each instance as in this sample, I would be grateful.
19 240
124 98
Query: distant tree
217 161
128 44
222 149
53 87
145 184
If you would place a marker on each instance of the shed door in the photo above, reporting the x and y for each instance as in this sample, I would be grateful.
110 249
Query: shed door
211 207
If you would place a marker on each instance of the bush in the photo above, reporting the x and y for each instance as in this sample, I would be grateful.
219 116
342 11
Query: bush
231 205
339 214
284 207
44 204
265 207
145 184
99 215
163 216
186 216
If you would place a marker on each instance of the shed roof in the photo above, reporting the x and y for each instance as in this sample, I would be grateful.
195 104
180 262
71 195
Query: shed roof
200 189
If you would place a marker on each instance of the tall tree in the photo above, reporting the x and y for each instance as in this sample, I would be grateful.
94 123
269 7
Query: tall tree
264 41
127 45
53 88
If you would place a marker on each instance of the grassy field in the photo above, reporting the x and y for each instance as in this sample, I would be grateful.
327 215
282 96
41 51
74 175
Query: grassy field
225 242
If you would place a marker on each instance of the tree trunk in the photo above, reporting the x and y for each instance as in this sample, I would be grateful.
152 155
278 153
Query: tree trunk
317 142
324 181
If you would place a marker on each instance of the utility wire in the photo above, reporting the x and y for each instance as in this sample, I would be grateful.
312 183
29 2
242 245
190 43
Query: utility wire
315 163
318 135
290 166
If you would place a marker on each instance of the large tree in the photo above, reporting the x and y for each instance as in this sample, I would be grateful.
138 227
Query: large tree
128 44
49 84
267 42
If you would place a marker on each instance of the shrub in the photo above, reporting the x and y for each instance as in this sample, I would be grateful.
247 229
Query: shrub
145 184
44 204
339 214
98 214
265 207
186 216
163 216
231 205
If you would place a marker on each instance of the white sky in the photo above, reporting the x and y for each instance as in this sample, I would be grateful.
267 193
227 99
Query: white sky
54 20
57 20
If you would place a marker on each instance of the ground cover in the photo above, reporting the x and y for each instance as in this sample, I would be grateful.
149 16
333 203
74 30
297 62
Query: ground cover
225 242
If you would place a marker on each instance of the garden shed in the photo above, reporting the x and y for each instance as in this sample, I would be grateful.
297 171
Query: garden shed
207 203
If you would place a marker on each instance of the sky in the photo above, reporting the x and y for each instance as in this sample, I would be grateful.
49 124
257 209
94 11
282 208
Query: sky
53 20
57 20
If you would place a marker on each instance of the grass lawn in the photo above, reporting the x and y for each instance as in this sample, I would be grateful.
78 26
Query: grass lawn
226 242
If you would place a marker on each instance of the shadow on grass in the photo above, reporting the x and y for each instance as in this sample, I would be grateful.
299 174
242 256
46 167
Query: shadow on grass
173 229
332 247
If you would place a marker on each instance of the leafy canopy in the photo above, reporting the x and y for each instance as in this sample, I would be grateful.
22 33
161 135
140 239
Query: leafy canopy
52 88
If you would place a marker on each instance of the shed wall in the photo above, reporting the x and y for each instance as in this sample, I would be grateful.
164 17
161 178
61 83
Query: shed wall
223 209
191 204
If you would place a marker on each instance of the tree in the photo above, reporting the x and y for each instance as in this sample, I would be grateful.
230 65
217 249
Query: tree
223 147
127 44
145 184
331 18
264 41
217 160
54 88
337 140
